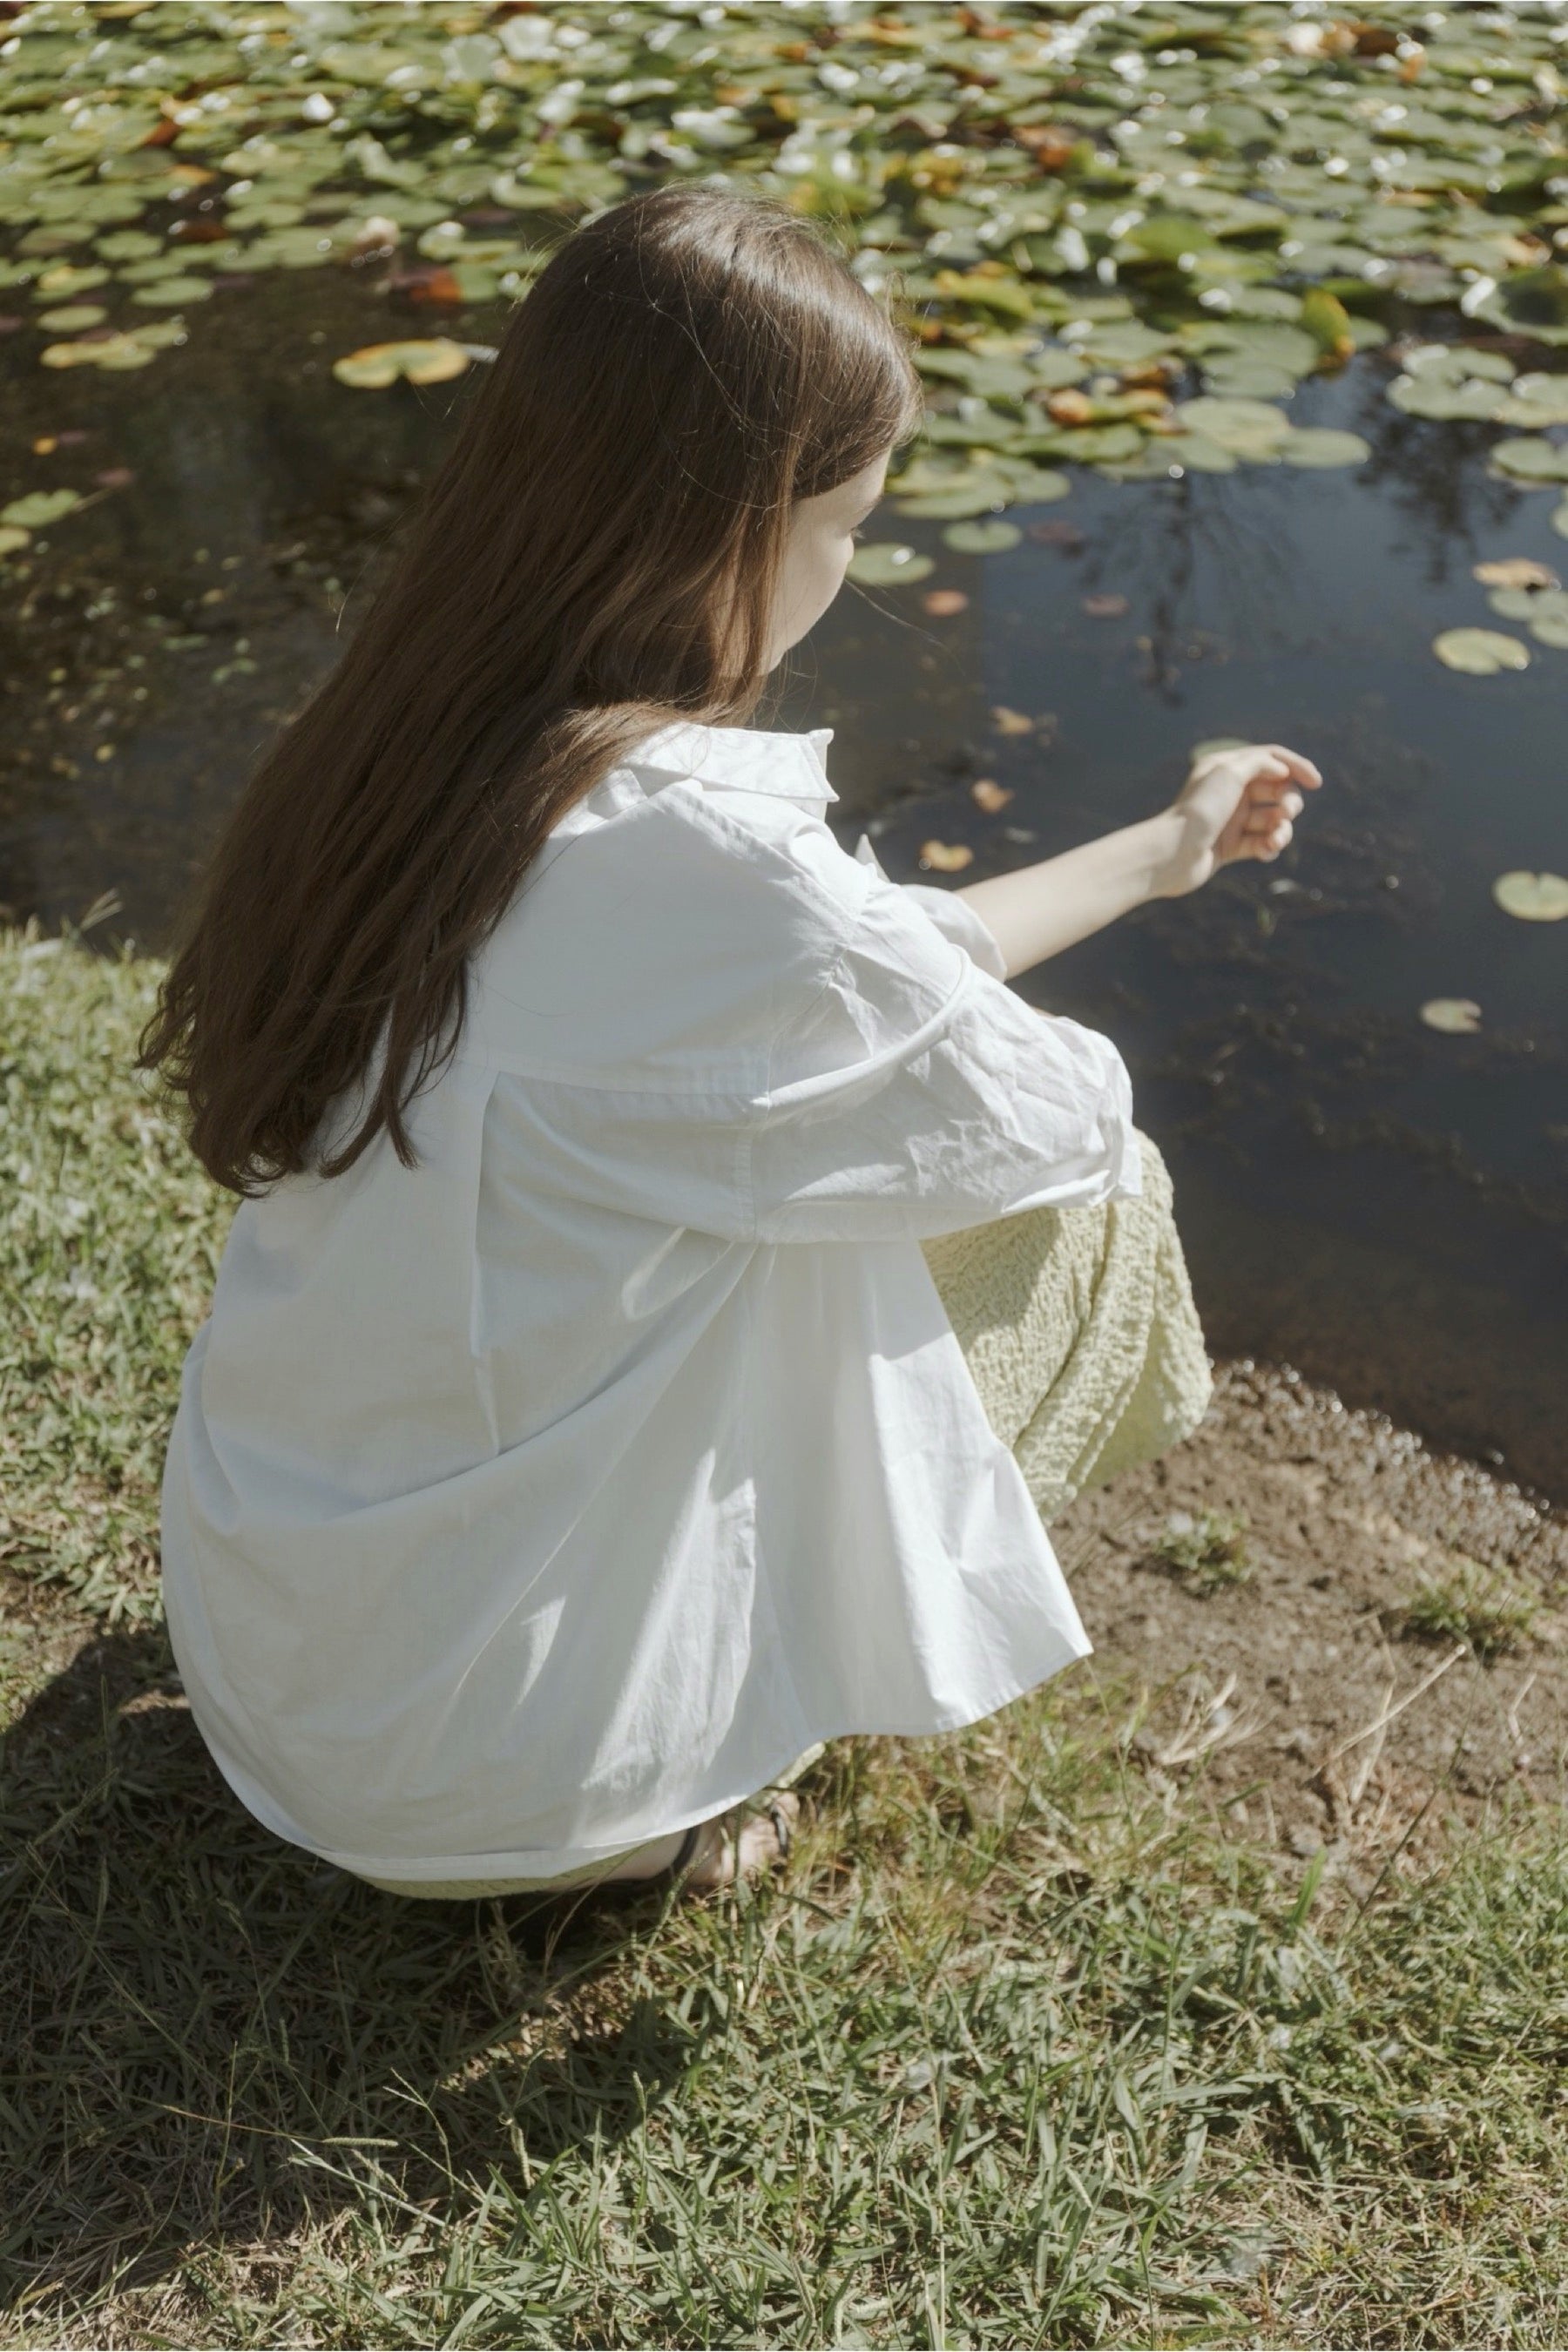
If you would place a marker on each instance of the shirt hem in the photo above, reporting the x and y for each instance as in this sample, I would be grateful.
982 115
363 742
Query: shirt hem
519 1863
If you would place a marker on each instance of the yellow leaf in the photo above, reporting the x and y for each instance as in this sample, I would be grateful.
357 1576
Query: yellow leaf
375 365
1456 1016
947 856
990 794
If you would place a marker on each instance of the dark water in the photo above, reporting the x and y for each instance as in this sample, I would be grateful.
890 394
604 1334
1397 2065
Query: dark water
1383 1206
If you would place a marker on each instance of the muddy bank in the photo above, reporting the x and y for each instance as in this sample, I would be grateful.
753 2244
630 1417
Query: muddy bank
1342 1694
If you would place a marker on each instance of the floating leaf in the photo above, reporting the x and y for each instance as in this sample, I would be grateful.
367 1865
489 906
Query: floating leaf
948 505
1532 897
988 794
1481 652
1456 1016
982 538
72 316
1246 427
1531 460
1105 608
943 604
1445 397
40 508
884 563
1514 572
1540 400
1011 722
376 366
1326 320
1526 603
1559 520
1197 453
168 293
946 857
1322 445
12 537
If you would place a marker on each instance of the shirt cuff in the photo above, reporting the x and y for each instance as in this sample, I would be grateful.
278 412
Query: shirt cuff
952 916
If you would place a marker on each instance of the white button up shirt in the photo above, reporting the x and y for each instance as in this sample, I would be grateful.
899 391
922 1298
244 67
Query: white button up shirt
555 1494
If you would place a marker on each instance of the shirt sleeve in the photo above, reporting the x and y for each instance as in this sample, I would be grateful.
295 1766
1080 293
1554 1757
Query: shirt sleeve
954 916
784 1044
917 1094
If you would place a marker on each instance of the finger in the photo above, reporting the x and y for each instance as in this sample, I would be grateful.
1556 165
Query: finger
1301 769
1273 843
1267 805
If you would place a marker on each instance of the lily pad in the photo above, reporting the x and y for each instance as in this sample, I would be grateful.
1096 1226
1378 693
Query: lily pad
12 537
1532 897
1445 397
885 563
1531 460
1456 1016
1323 446
1197 453
1514 572
1481 652
1525 603
168 293
949 506
982 538
1246 427
40 508
1536 400
376 366
72 316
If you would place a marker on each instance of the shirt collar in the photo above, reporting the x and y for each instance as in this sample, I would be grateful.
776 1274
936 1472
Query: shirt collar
754 760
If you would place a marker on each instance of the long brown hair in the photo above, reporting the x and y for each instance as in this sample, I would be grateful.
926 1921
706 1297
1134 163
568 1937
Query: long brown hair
597 555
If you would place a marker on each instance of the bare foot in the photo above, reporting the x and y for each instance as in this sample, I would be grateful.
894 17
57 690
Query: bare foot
761 1847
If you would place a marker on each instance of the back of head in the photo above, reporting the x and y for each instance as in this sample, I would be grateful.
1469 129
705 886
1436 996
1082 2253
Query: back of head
598 554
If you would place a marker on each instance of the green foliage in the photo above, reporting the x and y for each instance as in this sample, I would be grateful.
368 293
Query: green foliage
1473 1602
1019 2049
108 1241
1210 1551
1027 184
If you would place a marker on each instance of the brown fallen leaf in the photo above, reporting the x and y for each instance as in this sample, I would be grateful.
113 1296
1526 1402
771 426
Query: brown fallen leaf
1069 408
941 604
1150 376
990 795
947 856
1105 608
1010 722
1515 572
1052 147
1056 533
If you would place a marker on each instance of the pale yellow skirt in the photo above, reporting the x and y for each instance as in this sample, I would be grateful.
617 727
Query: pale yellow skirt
1079 1330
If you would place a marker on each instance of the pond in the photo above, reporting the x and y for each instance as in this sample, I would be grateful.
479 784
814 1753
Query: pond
1380 1202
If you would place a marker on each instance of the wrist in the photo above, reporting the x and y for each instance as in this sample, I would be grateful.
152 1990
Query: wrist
1171 862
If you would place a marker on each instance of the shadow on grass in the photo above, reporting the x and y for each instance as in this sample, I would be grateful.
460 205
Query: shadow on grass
209 2039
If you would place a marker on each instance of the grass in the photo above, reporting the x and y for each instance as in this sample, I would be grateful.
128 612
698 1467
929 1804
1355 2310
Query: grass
1474 1602
1208 1551
1026 2049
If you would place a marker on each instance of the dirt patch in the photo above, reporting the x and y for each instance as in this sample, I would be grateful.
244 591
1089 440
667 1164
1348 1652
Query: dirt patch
1320 1715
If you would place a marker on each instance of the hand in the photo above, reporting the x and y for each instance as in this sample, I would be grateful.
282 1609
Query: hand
1234 804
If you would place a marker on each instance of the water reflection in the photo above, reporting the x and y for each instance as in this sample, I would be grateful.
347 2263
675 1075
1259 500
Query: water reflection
1385 1206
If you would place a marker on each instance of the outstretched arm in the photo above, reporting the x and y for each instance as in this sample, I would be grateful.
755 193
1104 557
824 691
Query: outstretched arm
1233 804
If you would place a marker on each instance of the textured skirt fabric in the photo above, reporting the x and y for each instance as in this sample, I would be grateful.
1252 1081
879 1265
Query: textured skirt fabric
1081 1332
